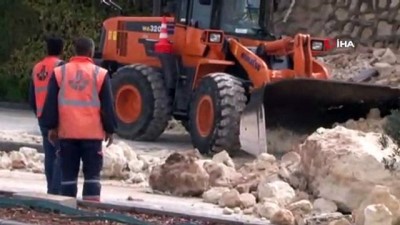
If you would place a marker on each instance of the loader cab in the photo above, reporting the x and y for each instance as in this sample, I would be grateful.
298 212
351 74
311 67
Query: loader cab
242 18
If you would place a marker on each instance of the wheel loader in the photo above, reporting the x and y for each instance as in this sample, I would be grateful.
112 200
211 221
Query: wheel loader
225 76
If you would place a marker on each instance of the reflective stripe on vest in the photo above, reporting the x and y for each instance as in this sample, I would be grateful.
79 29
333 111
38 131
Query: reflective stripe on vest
78 100
40 86
63 101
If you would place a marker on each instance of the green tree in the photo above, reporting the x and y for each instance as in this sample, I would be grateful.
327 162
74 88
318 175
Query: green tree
24 24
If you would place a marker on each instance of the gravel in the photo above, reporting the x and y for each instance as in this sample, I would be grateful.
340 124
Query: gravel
48 218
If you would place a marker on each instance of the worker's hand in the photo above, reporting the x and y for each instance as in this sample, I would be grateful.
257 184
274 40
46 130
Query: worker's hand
109 139
53 136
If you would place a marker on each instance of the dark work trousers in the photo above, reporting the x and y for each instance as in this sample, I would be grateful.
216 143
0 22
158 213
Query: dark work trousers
71 154
52 166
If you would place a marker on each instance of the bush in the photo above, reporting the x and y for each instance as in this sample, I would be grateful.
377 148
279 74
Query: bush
25 24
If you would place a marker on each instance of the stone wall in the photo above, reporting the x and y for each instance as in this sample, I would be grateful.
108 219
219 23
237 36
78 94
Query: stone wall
367 22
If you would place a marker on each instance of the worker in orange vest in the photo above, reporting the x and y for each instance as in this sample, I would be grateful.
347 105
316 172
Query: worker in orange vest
79 111
41 74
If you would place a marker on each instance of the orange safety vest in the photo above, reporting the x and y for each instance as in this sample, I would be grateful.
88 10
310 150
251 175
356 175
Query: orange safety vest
80 82
41 74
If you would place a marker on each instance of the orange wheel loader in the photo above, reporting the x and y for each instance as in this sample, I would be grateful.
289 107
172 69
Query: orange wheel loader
225 75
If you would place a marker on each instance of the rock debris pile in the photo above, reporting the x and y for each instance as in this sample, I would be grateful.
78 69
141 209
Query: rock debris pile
334 174
120 162
20 137
26 158
378 65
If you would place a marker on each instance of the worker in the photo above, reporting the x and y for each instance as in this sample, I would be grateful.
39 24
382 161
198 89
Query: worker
40 76
79 111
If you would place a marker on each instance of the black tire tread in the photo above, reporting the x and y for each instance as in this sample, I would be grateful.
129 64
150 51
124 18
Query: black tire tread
162 103
232 100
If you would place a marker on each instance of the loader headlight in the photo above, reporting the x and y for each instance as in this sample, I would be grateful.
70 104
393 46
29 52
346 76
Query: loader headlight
317 45
215 38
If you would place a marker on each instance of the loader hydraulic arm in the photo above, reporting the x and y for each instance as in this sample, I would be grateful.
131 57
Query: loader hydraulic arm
298 48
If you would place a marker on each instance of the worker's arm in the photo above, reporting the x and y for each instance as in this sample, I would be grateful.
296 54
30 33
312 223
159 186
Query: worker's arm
108 117
32 97
49 118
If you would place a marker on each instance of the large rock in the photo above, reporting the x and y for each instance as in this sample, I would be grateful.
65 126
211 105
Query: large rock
29 153
341 221
223 157
247 200
377 215
380 195
114 162
230 199
214 194
265 161
266 209
18 160
5 161
325 218
180 175
322 205
265 165
221 175
344 165
279 190
300 209
290 170
248 183
127 151
303 207
283 217
388 57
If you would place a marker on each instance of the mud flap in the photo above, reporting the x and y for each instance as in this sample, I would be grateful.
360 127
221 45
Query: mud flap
304 105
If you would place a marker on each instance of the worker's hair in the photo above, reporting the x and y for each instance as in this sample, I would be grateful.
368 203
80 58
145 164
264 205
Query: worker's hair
55 45
84 46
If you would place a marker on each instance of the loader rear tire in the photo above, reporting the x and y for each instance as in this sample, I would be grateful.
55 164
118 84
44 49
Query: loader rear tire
214 118
142 104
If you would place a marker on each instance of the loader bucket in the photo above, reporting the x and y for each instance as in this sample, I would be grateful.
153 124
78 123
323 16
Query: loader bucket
304 105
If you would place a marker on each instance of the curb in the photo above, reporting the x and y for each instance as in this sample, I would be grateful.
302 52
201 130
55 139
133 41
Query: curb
12 222
8 146
14 105
149 209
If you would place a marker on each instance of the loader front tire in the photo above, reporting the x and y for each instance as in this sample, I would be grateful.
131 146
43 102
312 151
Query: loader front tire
142 104
214 118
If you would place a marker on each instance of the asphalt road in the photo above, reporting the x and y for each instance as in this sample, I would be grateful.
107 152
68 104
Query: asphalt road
25 121
170 141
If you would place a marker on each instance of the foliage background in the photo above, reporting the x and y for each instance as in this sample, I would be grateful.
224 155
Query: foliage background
24 23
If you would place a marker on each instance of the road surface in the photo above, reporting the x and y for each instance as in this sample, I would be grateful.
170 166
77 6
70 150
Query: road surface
25 121
116 192
16 120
